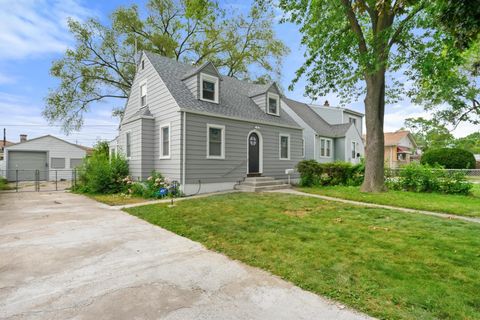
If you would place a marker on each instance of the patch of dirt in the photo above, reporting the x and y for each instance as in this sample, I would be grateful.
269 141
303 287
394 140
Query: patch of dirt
303 212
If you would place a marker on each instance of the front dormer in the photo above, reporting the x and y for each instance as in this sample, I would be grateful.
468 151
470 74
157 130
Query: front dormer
267 98
204 83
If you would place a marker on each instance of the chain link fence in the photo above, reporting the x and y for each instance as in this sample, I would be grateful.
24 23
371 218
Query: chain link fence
40 180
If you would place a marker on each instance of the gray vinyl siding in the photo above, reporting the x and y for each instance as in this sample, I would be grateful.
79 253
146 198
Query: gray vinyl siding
192 84
308 133
331 114
165 110
261 101
55 148
353 135
340 149
358 123
318 151
234 167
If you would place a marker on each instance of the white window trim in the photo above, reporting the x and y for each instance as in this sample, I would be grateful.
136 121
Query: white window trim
140 93
126 156
351 145
209 78
280 146
215 126
276 97
166 125
331 148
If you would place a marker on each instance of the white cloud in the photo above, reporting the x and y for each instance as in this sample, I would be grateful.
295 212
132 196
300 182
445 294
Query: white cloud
36 27
6 79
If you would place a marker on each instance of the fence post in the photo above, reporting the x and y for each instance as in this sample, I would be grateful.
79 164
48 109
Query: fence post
75 177
16 180
37 180
56 179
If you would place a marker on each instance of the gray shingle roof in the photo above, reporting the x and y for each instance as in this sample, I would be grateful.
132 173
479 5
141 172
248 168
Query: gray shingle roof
234 99
316 122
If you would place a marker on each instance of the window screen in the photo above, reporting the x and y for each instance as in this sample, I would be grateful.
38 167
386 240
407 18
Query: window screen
165 141
57 163
284 147
215 142
272 105
208 90
75 163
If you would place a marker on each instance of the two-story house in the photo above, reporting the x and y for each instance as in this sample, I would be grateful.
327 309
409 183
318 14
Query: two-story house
203 129
329 135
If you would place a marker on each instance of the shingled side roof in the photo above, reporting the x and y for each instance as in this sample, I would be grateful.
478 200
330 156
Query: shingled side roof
234 95
316 122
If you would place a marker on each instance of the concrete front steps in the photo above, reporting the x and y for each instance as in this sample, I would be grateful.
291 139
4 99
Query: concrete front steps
259 184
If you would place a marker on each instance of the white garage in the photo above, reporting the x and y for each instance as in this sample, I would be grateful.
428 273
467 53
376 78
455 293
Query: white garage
48 157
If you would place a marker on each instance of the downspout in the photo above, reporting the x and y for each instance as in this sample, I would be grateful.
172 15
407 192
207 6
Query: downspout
184 129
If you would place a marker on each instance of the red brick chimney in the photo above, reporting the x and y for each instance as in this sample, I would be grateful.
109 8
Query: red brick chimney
23 137
326 104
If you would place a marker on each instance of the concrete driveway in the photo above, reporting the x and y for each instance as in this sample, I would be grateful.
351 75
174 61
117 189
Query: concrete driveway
63 256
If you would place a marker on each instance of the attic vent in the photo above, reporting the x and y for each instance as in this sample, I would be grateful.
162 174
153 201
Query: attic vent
143 64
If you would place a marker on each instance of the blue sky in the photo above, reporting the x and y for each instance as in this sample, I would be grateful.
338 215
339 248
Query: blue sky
33 33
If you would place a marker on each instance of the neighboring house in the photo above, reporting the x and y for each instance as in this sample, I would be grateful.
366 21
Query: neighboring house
205 130
399 148
326 142
3 145
53 157
338 115
477 158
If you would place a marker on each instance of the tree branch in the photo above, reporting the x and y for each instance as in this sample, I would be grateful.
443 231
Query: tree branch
404 22
362 44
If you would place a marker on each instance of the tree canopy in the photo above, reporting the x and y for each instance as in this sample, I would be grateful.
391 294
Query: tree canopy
101 65
429 133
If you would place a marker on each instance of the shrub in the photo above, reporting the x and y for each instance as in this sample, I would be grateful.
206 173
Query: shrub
449 158
4 184
99 174
333 173
424 178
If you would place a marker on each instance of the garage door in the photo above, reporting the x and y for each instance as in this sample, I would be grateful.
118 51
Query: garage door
26 162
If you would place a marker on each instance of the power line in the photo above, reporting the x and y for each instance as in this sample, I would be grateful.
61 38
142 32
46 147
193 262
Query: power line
56 125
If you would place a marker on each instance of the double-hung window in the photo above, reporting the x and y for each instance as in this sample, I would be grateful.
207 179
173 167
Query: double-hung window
352 120
354 150
273 104
325 148
284 148
127 145
143 94
208 88
165 141
215 141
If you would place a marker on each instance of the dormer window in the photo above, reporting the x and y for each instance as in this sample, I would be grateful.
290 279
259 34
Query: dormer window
273 104
208 88
143 94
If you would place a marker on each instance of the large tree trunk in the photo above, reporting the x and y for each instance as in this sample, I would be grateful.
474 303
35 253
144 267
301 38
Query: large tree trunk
374 111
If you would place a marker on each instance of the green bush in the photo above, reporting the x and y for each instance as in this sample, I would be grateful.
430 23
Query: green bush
449 158
4 184
332 173
424 178
100 174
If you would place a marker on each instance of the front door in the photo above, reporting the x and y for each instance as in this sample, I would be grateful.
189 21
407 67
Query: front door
253 153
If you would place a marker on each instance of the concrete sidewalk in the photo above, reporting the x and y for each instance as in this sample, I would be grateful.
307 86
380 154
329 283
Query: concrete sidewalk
374 205
64 256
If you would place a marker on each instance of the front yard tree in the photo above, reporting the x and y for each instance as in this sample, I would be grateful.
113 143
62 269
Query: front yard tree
101 65
353 47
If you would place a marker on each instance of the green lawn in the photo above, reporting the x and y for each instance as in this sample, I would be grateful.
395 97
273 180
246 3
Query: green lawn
385 263
454 204
116 199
